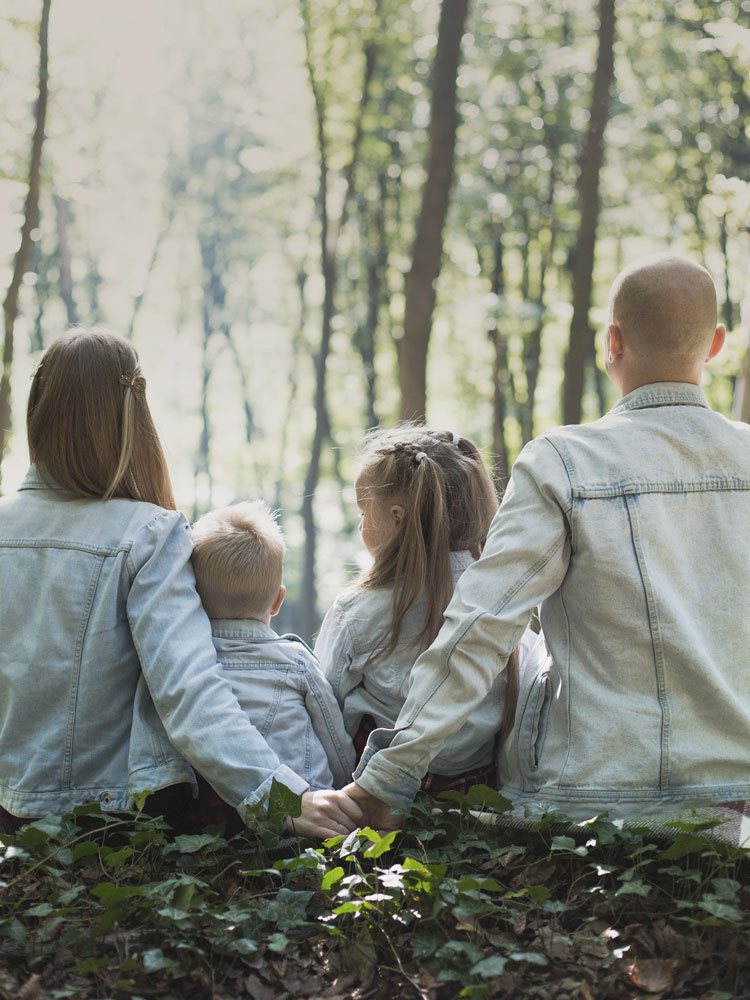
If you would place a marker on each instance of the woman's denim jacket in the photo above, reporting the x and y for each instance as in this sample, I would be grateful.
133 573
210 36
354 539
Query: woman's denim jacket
634 532
109 683
353 628
279 684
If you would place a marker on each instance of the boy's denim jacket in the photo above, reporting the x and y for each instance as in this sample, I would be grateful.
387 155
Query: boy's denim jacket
634 532
353 628
109 683
279 684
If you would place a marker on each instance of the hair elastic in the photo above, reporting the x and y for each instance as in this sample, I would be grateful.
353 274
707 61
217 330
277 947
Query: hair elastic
420 456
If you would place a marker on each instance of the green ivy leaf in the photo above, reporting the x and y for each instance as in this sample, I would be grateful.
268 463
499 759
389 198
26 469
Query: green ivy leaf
489 967
479 797
288 909
331 878
111 895
190 843
283 802
277 942
154 960
382 845
532 957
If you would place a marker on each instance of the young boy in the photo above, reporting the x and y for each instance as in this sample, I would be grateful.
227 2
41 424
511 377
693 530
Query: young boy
238 556
633 532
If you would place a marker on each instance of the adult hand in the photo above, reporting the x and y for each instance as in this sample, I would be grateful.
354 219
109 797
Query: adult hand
325 813
376 812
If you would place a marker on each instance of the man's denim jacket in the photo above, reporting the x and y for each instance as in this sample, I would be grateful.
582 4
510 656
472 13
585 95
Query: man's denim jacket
634 533
279 684
109 683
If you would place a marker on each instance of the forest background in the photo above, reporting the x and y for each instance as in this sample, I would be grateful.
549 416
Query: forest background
255 195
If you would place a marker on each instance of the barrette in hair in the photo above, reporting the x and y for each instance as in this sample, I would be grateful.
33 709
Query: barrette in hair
456 439
134 380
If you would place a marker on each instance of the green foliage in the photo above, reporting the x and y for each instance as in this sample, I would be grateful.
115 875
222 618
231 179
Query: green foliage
94 904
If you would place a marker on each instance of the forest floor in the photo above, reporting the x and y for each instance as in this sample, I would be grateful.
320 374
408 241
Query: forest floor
101 907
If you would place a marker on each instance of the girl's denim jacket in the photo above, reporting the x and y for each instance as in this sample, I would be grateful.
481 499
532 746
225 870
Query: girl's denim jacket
353 628
280 686
108 674
634 533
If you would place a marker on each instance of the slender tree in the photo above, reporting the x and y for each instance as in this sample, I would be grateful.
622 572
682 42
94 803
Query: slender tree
330 233
23 254
581 333
428 240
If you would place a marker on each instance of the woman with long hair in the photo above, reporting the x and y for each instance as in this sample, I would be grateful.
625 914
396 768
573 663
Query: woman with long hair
108 675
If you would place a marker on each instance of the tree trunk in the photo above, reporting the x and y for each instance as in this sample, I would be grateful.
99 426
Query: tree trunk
166 225
428 240
500 374
10 305
329 237
581 334
62 218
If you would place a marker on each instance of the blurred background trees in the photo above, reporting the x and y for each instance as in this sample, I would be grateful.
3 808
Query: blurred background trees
253 196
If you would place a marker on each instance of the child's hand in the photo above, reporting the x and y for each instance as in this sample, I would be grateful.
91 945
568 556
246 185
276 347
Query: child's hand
376 812
326 813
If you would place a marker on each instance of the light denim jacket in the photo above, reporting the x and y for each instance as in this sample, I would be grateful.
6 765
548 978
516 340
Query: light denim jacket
279 684
354 626
634 532
109 683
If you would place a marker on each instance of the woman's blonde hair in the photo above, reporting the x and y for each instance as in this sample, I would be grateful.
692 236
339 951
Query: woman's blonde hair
90 430
449 501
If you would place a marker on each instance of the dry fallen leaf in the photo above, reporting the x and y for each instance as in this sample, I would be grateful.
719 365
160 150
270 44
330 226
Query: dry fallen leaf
653 975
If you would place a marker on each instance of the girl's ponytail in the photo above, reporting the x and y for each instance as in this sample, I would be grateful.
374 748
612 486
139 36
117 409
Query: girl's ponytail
423 563
448 499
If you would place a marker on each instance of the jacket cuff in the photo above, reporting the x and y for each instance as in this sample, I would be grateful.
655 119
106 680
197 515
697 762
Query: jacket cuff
386 781
285 776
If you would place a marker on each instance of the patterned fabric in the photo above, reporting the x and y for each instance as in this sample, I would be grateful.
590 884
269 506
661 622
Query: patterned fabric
432 783
734 828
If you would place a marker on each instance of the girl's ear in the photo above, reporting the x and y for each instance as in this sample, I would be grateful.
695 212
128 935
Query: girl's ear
397 512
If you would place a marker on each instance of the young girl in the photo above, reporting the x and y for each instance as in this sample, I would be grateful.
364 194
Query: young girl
110 685
426 501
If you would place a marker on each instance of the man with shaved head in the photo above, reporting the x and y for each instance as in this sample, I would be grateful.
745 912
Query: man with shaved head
632 534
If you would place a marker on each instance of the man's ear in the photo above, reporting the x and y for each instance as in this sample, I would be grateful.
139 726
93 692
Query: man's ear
718 342
397 512
276 607
615 345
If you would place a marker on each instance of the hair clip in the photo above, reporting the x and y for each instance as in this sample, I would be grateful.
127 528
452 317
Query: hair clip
456 439
134 380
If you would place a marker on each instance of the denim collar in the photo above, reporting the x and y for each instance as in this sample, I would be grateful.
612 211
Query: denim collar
662 394
461 560
33 481
241 628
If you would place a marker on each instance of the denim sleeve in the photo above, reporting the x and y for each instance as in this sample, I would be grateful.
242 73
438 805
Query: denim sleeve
333 648
197 706
328 724
524 561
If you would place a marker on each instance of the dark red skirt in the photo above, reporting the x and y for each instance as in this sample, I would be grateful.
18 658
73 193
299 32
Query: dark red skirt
432 783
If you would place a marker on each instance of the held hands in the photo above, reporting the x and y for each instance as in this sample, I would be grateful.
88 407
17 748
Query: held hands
377 813
326 813
329 813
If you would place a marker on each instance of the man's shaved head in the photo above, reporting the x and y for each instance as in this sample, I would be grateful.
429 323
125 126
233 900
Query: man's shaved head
665 307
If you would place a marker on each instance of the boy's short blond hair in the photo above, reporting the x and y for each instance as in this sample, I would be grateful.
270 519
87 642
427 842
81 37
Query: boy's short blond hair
238 558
